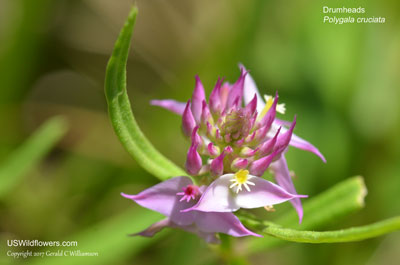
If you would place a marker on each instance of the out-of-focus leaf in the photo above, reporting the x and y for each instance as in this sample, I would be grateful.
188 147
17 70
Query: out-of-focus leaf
20 161
20 53
343 235
120 112
109 239
342 199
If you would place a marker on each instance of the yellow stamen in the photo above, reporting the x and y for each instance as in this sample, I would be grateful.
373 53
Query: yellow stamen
269 100
268 103
241 178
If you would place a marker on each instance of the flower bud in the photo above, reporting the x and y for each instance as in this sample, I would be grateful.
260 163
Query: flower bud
239 163
193 161
188 122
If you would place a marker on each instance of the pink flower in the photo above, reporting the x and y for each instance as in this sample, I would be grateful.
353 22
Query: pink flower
235 138
172 196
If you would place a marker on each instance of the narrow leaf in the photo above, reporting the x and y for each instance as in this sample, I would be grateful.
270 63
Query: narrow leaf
344 235
340 200
20 161
120 112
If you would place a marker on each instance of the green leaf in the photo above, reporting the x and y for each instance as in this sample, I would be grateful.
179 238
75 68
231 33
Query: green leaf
21 50
120 112
343 235
20 161
340 200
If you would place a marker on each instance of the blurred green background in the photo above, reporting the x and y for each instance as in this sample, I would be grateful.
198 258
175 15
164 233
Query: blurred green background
342 81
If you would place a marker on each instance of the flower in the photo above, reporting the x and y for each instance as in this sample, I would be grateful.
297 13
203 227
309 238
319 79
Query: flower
223 196
238 141
172 196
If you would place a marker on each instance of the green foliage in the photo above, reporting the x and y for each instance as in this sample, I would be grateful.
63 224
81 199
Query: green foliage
342 199
120 112
109 239
20 161
343 235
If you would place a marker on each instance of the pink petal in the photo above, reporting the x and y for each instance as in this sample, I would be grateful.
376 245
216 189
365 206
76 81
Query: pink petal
162 198
226 223
218 191
250 89
263 193
224 92
193 161
205 113
269 117
212 150
197 100
302 144
258 167
169 104
217 165
215 98
283 178
208 237
239 163
251 106
284 139
236 92
154 228
188 122
268 145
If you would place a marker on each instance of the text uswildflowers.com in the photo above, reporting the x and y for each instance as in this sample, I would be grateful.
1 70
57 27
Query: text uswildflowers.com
40 243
